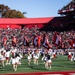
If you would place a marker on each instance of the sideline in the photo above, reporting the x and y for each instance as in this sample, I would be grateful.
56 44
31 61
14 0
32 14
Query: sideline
44 73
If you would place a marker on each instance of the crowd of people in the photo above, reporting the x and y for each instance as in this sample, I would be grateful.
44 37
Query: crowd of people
34 42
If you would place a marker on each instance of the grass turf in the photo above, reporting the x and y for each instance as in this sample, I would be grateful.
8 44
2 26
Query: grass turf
58 64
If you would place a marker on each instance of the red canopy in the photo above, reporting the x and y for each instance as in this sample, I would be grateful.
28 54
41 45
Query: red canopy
25 20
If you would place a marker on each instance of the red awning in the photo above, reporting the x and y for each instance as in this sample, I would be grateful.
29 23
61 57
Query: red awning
25 20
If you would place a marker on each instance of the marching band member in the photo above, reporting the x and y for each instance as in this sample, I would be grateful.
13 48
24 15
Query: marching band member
74 59
12 61
54 54
29 57
13 50
45 60
49 62
36 57
15 61
69 55
2 58
7 55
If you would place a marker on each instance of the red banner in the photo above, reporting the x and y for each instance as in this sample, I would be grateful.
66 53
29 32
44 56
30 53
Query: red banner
44 73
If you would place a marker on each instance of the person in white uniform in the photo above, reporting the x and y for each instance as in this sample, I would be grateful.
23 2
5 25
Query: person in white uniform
2 59
36 57
49 62
15 60
7 56
29 58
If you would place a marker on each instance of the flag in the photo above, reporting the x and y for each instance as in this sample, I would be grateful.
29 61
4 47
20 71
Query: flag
14 40
35 40
39 41
4 41
46 42
57 39
26 41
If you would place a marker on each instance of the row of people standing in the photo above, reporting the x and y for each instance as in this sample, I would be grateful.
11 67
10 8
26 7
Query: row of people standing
35 37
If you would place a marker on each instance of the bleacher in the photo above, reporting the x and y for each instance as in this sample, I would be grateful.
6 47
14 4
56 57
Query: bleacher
68 9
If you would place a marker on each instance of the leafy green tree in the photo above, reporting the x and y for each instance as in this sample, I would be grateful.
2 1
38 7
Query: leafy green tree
6 12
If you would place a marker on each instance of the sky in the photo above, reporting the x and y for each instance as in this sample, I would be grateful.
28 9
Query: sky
36 8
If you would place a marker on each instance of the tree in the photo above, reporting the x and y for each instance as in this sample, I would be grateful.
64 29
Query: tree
6 12
3 9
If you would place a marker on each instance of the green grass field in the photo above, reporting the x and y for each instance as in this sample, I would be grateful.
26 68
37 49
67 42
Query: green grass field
58 64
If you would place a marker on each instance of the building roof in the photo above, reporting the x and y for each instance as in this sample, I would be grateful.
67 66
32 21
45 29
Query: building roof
25 20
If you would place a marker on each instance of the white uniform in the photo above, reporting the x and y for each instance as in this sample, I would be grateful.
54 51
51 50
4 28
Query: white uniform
14 50
29 57
50 52
7 54
69 53
4 51
74 58
15 60
12 60
36 56
49 61
2 57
